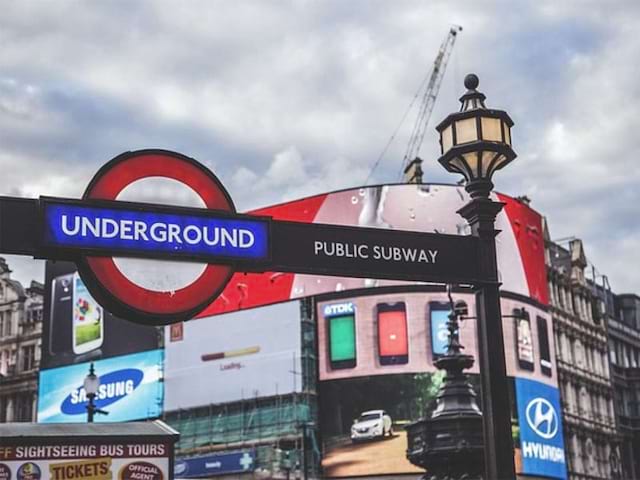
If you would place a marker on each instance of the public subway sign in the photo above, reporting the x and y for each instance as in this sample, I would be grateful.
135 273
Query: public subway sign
99 227
373 253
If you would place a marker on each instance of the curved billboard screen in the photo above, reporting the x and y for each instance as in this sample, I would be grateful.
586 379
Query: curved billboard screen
410 207
376 354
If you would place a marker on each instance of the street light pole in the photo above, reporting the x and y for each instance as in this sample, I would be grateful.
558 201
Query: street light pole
476 142
91 385
496 407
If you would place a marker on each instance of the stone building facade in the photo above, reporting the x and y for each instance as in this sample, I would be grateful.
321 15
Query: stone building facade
20 338
592 443
624 355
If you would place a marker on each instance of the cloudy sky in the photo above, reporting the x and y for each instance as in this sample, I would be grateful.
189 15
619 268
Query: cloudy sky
290 98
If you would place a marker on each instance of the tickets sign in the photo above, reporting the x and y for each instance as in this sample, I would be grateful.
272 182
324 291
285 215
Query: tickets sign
118 460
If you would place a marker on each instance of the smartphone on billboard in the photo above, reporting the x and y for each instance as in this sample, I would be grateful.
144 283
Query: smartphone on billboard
393 341
88 319
524 339
60 316
438 317
543 343
341 323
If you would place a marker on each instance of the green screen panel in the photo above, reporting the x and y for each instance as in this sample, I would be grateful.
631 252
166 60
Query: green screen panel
343 338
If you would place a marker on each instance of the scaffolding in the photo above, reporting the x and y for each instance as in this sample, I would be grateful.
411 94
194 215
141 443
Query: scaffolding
282 429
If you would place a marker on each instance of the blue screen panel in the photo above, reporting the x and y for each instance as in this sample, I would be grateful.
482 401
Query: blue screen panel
131 388
242 461
439 331
541 438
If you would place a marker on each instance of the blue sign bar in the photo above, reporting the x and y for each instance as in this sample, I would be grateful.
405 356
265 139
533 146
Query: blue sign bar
136 230
216 464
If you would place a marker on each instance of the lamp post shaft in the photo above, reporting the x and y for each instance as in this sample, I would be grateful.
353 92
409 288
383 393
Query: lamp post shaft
481 214
90 409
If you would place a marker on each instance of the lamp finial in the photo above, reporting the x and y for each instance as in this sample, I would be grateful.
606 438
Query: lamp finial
471 81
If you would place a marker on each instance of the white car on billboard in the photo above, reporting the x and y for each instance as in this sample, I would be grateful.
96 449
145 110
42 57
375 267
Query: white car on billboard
371 424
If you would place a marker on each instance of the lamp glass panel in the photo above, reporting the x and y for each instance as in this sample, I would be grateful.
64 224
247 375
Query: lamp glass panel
471 159
491 130
447 139
501 162
91 384
466 131
507 134
457 164
487 157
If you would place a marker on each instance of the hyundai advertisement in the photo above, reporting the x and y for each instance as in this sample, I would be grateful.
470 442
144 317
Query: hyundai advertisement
131 388
376 354
540 420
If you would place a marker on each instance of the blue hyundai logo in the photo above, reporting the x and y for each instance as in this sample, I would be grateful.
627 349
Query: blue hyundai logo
542 417
114 386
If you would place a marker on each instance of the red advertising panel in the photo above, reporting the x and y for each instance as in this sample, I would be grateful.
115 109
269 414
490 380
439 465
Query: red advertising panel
425 208
392 333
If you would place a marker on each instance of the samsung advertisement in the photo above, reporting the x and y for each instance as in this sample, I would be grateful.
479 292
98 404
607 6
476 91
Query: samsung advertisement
376 357
131 388
239 356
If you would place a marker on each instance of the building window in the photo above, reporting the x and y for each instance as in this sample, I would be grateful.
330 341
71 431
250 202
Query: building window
612 352
24 407
28 357
1 324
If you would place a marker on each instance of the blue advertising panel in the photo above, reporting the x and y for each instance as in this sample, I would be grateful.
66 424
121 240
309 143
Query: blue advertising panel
135 230
131 388
541 438
217 464
439 331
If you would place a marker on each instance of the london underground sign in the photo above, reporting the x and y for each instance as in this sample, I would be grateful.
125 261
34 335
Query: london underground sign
97 228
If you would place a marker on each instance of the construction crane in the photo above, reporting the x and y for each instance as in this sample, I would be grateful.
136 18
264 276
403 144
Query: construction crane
411 168
411 163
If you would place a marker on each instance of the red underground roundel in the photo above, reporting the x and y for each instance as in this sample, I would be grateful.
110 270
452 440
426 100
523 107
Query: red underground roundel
109 285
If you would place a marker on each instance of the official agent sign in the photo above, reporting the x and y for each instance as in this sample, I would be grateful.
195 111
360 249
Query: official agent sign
97 228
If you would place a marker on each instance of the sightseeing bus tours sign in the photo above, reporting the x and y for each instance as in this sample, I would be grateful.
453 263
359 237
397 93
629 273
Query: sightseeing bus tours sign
92 231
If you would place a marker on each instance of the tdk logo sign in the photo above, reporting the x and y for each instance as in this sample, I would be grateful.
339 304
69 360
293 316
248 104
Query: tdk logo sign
542 418
336 309
114 386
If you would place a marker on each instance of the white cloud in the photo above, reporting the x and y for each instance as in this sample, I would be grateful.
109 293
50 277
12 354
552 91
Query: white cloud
285 99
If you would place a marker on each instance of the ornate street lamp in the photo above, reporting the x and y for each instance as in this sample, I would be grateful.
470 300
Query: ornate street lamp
91 385
476 142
